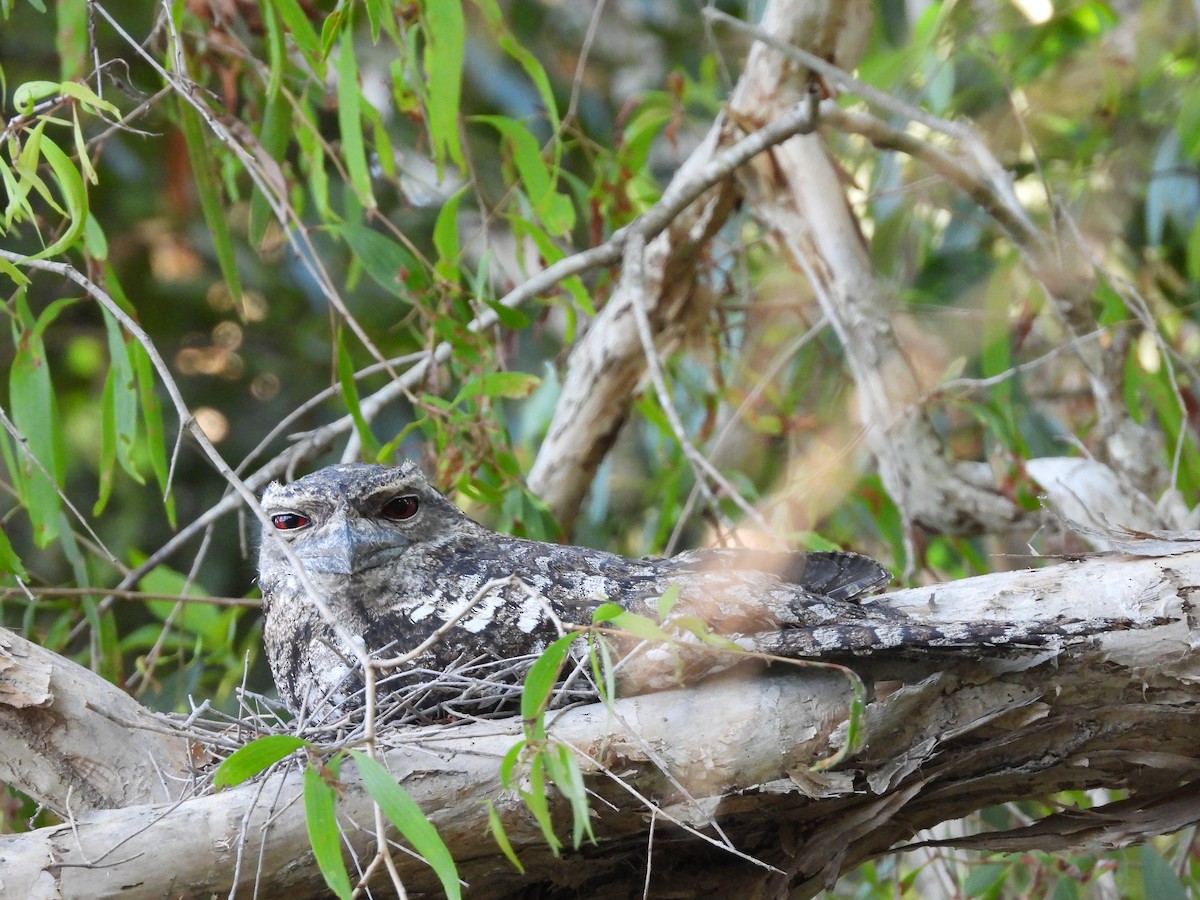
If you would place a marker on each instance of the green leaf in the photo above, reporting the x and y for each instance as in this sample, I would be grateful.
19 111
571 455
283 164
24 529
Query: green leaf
210 194
667 601
28 95
390 264
535 799
508 316
508 765
301 30
403 812
563 769
10 563
445 237
18 208
197 618
349 94
701 629
378 12
256 756
603 669
606 612
526 154
108 445
35 414
1158 877
276 51
331 28
71 38
273 137
631 623
385 154
19 277
496 26
148 402
513 385
542 677
345 370
1193 251
640 134
445 42
984 878
81 154
95 244
500 836
321 819
90 101
26 166
73 192
125 406
552 209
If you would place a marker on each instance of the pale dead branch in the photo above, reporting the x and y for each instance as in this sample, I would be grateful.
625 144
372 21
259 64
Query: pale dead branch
943 733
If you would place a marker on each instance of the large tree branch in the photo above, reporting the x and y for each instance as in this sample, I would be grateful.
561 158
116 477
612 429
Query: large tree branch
945 734
608 363
797 192
74 742
800 186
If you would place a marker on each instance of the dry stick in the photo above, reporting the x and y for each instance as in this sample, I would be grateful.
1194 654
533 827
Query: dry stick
976 384
320 397
581 63
674 820
242 837
1136 303
842 79
635 288
649 852
1009 215
150 660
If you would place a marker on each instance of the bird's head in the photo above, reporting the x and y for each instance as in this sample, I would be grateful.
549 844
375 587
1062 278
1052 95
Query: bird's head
346 519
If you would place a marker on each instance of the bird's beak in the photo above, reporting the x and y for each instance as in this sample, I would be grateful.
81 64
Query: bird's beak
346 548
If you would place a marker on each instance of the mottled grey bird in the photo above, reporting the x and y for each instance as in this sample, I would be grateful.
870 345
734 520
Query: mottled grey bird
394 561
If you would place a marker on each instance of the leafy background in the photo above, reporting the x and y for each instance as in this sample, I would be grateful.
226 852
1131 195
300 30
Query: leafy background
408 200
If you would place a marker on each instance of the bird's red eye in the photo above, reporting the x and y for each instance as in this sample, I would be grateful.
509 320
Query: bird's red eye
289 521
400 508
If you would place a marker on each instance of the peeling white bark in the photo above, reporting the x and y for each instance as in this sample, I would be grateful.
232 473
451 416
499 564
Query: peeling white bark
73 742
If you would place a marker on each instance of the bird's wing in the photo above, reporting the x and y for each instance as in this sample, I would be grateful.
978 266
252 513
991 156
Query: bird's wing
836 574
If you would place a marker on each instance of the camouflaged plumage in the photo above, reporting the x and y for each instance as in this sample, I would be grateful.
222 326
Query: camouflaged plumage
394 560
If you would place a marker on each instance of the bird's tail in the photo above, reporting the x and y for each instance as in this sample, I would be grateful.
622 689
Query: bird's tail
867 637
837 574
